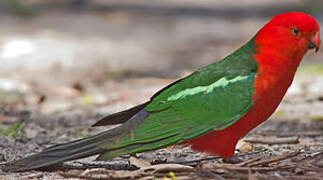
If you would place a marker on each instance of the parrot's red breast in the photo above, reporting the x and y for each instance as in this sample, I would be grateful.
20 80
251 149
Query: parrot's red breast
278 59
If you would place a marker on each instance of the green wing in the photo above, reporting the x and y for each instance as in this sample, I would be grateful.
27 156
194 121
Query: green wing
212 98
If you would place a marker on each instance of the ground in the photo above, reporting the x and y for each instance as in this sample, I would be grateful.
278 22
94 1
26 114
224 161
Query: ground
63 69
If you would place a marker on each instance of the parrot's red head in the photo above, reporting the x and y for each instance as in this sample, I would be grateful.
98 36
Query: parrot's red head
280 47
289 35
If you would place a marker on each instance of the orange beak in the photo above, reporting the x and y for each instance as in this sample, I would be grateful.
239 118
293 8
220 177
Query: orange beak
315 42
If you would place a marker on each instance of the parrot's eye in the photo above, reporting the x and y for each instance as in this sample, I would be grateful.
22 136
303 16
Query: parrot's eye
295 31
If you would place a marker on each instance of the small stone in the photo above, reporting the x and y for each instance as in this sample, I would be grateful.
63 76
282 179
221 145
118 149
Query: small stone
40 140
299 171
2 158
320 164
233 160
159 160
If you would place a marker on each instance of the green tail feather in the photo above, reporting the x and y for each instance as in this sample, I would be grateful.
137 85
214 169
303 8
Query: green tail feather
90 146
58 154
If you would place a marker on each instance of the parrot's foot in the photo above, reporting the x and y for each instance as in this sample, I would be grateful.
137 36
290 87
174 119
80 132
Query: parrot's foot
233 160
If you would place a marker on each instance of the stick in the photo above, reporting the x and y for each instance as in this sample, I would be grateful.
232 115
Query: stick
271 141
288 134
250 160
245 169
274 159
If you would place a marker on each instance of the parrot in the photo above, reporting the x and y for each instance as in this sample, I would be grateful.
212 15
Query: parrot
209 110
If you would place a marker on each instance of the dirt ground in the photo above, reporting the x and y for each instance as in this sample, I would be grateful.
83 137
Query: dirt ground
68 64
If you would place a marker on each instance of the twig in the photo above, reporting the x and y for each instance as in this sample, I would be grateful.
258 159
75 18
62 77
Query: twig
289 134
274 159
85 165
79 176
250 160
88 172
34 176
193 161
245 169
271 141
210 158
312 177
101 173
312 163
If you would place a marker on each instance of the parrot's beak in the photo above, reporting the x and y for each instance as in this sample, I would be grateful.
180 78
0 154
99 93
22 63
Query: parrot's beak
315 42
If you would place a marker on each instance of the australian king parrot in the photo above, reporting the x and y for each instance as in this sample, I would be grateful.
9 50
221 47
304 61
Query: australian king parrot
209 110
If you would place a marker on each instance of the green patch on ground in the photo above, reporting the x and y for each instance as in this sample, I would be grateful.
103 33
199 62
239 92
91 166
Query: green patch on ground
280 113
14 131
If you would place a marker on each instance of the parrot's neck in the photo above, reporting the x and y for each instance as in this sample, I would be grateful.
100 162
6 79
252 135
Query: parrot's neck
275 72
274 76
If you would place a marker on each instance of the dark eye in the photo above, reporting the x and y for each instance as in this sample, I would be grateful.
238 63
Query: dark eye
295 31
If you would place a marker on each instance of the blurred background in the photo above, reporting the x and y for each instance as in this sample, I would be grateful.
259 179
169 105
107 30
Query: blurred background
64 52
66 63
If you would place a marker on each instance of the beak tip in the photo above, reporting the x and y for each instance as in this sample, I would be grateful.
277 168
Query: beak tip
315 42
313 46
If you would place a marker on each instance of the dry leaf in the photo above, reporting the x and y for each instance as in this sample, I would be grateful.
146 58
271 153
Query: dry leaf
139 162
246 147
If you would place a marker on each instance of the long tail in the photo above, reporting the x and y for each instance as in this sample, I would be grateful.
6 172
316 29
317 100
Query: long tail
58 154
98 144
